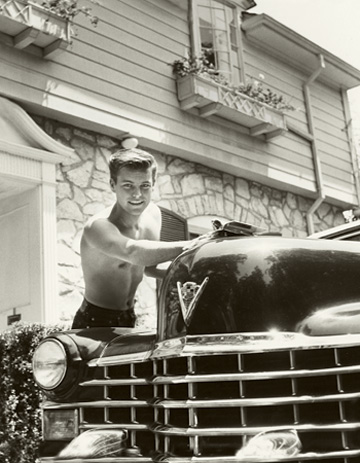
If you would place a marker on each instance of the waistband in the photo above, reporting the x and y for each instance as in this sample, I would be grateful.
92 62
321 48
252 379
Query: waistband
89 305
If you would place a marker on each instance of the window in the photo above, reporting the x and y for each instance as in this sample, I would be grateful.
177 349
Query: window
217 34
174 227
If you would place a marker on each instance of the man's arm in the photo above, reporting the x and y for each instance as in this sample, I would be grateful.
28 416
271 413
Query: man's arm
104 236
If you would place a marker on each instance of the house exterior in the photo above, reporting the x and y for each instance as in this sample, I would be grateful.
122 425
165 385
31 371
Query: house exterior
67 103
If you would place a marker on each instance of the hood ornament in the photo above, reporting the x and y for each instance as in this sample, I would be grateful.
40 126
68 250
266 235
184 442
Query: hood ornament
189 295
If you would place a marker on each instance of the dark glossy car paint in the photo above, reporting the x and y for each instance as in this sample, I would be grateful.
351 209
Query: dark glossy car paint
261 284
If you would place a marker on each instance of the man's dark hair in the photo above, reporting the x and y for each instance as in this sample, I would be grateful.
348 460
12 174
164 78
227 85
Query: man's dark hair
133 159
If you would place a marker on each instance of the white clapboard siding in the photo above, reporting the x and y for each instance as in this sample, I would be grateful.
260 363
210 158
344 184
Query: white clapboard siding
328 116
334 149
197 127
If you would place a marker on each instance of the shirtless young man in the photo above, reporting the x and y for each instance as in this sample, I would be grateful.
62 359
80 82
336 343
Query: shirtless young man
122 242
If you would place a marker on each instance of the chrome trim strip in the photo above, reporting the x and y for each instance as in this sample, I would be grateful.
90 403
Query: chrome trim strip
299 457
236 343
129 426
256 402
282 374
97 404
168 459
135 357
283 339
131 459
230 343
242 431
269 345
115 382
210 403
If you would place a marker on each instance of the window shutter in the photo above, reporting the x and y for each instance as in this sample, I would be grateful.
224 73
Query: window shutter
174 227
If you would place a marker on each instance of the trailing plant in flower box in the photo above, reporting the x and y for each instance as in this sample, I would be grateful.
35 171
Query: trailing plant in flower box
68 9
199 65
202 67
47 24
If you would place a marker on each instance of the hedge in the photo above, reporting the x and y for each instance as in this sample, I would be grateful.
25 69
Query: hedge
20 398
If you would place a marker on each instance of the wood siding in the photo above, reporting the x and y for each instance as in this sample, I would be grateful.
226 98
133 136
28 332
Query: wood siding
116 78
328 119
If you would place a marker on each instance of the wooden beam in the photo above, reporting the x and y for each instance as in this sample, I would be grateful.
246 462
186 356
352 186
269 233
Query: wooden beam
274 134
190 102
55 48
209 109
25 38
260 129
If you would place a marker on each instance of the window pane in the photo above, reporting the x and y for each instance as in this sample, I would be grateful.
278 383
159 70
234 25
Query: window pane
223 63
206 38
221 40
219 19
233 36
205 16
204 3
235 67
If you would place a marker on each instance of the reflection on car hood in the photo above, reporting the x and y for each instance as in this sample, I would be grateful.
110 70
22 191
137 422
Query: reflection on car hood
257 284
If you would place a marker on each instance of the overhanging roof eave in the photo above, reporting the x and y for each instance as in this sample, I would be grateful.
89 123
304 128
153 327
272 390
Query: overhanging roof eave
298 51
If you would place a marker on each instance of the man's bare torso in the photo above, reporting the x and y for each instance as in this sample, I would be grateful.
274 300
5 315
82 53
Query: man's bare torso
110 282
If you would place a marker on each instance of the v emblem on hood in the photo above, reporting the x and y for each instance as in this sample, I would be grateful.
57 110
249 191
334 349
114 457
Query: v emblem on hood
189 295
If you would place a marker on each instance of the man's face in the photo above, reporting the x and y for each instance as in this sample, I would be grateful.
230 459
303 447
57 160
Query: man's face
133 189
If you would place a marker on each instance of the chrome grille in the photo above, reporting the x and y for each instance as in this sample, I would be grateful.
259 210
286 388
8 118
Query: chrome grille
208 406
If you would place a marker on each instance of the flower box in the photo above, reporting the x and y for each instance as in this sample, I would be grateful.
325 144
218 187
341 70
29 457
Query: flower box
29 23
211 98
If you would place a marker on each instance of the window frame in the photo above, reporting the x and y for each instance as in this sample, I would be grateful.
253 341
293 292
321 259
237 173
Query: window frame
196 48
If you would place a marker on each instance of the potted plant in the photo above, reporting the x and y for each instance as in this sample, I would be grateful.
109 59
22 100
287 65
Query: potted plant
200 85
45 23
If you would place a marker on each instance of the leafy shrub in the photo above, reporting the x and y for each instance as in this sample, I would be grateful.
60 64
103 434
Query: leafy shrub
20 398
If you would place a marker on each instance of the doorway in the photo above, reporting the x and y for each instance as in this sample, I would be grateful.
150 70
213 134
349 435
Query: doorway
20 268
28 242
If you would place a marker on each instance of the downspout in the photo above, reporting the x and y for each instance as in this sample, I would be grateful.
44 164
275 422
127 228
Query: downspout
195 40
316 159
190 17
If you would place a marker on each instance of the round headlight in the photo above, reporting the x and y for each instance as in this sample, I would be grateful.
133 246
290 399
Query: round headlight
49 364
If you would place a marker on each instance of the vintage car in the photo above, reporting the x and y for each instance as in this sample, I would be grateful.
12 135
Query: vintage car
349 231
256 358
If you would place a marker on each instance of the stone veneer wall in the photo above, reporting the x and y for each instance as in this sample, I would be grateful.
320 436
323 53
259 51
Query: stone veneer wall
184 187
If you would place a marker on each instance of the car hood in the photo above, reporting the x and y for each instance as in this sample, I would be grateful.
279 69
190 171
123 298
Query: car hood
258 284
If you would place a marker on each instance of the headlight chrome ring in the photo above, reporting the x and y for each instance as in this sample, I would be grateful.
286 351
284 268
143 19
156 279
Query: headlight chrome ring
50 364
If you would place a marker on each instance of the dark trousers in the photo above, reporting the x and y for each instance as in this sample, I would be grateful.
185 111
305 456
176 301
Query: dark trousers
90 316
